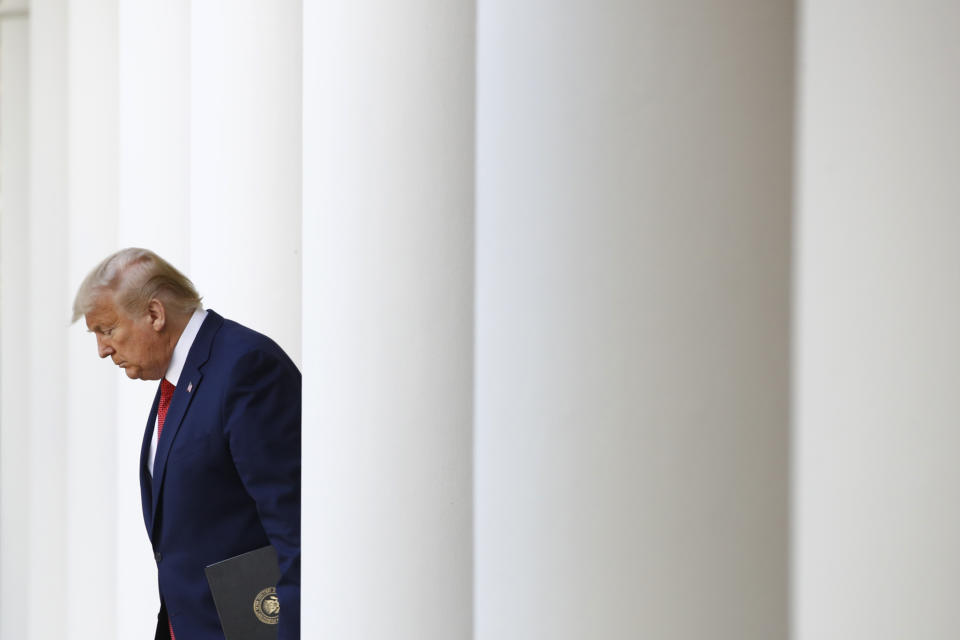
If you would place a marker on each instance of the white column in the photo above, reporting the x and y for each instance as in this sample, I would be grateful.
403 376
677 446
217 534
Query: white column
633 242
90 435
91 408
387 245
878 351
154 111
48 311
14 322
245 164
154 169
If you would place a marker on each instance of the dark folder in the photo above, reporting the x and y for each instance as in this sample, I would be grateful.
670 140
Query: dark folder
244 591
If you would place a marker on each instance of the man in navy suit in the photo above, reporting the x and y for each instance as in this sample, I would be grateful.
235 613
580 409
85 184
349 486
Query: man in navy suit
220 463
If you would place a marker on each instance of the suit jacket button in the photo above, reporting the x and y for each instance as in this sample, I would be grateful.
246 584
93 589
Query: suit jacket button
157 556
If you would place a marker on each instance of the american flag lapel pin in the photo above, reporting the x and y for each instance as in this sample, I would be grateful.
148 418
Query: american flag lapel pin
189 387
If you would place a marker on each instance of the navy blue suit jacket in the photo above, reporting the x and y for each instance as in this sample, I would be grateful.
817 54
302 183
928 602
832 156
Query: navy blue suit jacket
226 476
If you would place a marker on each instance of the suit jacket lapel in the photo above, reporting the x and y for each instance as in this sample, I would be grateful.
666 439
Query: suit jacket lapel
189 379
146 482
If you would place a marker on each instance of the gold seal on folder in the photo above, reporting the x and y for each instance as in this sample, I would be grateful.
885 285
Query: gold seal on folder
267 606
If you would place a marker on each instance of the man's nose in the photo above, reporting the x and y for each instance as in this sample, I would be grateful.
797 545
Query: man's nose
103 348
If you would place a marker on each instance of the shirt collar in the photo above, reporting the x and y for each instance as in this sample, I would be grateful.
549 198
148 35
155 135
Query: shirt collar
180 352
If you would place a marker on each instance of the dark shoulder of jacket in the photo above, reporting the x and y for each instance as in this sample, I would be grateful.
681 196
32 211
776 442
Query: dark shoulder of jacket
235 342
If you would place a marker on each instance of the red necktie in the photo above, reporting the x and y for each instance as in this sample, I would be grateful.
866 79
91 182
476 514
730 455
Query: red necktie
166 394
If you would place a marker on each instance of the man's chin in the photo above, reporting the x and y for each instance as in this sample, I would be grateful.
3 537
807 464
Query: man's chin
135 373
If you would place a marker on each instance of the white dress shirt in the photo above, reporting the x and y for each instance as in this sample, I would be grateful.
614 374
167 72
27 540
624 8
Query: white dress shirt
175 368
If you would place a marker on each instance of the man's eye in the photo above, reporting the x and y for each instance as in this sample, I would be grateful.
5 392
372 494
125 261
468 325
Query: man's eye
107 332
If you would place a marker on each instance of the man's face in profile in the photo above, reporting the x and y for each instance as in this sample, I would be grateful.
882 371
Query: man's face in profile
134 343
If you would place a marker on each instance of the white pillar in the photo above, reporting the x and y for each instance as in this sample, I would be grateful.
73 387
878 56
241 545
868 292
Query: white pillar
47 371
90 438
245 168
878 351
154 104
633 242
154 168
387 245
14 322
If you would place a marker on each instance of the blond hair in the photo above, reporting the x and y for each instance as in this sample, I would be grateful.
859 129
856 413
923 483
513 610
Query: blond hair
135 277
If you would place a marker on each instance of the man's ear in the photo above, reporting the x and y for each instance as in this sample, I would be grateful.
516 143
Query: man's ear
158 315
